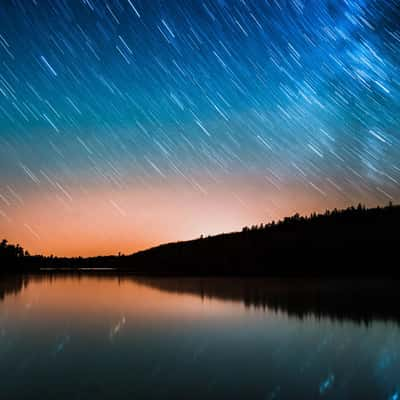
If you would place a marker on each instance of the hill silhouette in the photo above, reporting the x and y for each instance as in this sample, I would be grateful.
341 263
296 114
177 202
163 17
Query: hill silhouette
337 242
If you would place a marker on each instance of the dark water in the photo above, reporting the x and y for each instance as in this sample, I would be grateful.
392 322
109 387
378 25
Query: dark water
99 337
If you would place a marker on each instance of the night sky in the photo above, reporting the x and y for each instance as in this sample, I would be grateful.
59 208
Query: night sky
127 123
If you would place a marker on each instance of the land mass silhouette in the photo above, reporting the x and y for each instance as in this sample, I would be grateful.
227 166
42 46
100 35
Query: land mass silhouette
335 243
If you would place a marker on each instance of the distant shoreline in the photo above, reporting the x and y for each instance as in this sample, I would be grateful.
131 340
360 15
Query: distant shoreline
338 243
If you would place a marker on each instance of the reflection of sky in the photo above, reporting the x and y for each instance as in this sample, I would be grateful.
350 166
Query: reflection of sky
67 345
245 104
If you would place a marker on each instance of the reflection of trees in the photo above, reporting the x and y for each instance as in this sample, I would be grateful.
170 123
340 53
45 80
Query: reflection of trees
360 301
11 284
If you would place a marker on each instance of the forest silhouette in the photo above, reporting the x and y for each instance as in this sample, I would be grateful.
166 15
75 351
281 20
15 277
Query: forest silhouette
337 242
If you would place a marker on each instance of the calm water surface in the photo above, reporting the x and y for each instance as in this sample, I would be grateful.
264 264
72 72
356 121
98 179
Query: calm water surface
88 337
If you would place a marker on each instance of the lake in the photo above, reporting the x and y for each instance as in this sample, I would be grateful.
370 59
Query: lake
93 336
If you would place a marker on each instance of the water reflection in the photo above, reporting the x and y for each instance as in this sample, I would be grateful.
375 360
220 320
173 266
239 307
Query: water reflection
12 284
360 301
107 337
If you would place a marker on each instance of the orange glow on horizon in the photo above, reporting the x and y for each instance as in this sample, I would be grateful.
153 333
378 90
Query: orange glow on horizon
101 221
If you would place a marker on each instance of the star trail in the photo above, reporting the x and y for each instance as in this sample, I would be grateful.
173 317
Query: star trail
127 123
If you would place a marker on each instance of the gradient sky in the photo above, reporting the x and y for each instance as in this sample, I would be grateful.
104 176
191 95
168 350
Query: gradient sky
127 123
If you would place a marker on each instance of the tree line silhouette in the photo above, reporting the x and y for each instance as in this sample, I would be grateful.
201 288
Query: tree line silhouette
10 253
337 242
